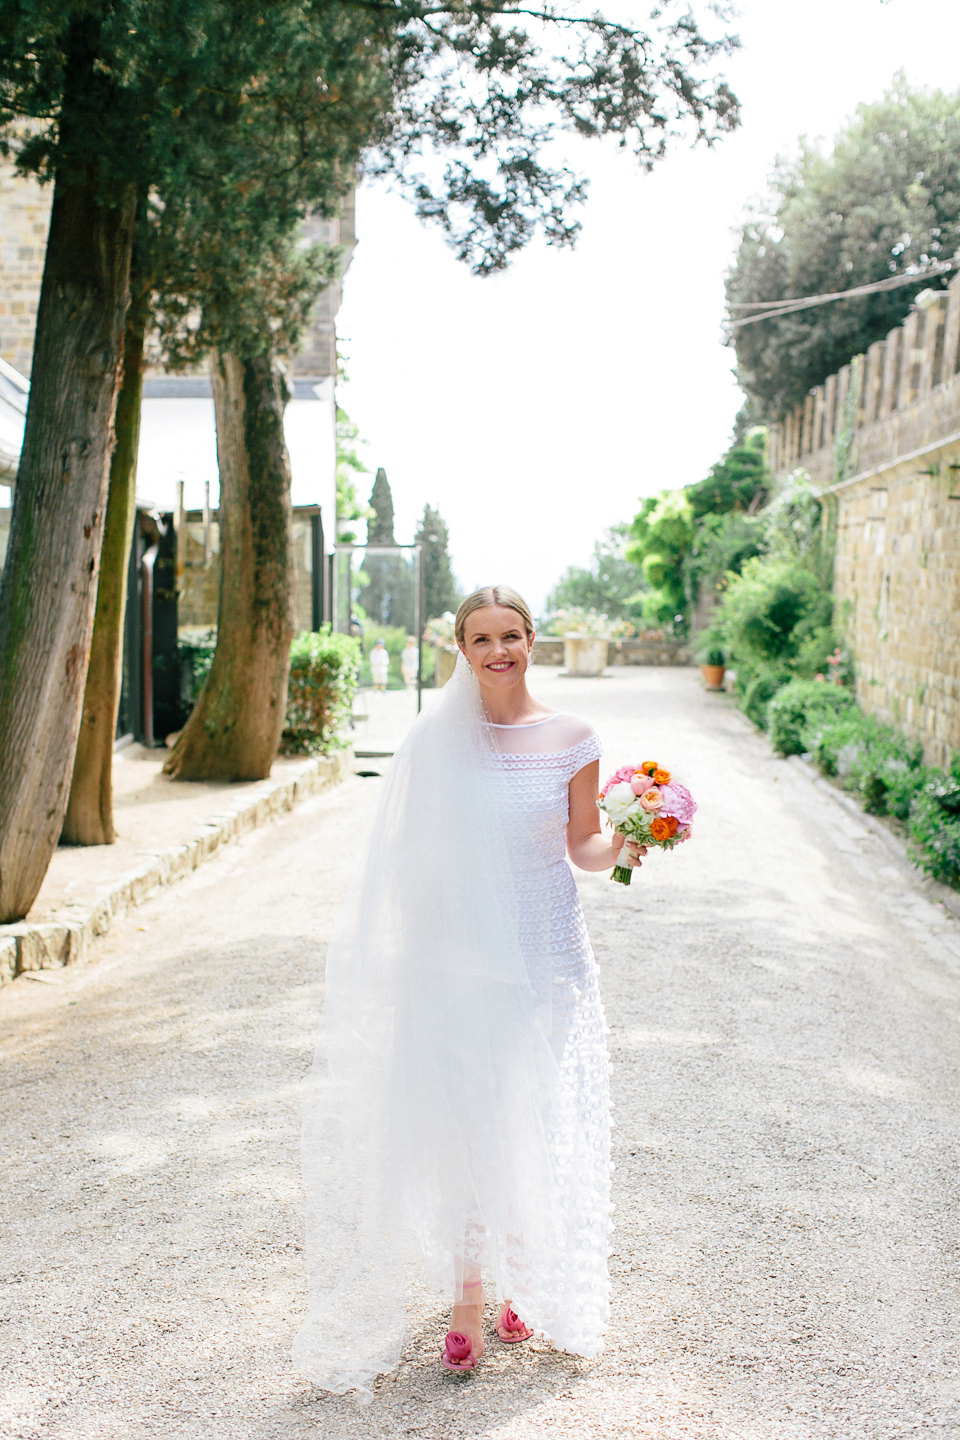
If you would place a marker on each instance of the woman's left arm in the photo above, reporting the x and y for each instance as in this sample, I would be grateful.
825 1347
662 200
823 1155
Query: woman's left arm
587 846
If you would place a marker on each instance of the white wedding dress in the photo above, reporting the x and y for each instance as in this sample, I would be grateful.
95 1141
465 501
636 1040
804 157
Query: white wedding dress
459 1113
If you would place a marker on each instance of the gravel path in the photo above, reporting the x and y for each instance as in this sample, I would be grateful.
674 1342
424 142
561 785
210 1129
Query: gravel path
785 1013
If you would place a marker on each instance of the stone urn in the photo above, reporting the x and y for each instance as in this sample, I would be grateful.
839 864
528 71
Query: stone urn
713 676
446 664
584 654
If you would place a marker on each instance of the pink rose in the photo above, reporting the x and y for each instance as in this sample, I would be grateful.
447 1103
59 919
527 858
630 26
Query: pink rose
651 800
625 773
678 802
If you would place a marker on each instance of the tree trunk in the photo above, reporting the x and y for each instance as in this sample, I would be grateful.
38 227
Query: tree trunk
235 728
49 586
89 818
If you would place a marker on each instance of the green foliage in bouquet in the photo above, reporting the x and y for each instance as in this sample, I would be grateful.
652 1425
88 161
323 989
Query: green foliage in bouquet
323 681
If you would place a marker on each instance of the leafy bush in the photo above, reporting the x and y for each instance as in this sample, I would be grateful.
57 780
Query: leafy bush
799 709
323 681
772 609
872 760
721 544
935 825
710 648
758 693
195 650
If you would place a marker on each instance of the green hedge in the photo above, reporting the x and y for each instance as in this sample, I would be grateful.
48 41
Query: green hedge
799 709
323 681
878 764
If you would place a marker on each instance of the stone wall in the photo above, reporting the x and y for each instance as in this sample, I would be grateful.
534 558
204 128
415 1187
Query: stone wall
645 650
24 222
881 442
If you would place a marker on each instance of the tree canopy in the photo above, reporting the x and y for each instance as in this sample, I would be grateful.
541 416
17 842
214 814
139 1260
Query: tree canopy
884 198
612 585
440 593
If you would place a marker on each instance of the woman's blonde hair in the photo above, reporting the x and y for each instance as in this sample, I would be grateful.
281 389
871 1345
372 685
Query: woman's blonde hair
501 595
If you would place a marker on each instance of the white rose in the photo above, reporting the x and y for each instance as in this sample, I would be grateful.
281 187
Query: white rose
620 802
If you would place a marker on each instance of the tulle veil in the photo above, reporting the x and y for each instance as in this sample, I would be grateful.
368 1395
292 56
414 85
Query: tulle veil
428 1141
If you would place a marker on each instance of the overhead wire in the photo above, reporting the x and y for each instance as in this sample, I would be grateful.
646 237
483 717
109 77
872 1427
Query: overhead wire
768 309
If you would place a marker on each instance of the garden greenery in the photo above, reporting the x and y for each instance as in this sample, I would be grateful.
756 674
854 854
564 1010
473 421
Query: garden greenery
323 681
876 763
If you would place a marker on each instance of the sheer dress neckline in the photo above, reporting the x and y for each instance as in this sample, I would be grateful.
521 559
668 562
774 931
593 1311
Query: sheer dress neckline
523 724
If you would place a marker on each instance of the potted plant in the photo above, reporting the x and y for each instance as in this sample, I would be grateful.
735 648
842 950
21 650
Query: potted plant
712 659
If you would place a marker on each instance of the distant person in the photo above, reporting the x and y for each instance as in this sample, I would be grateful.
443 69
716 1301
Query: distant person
380 665
459 1113
410 661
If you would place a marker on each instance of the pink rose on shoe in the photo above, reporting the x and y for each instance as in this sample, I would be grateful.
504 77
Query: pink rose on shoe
458 1345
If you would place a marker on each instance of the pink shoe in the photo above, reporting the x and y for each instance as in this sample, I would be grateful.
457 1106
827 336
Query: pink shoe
511 1329
458 1352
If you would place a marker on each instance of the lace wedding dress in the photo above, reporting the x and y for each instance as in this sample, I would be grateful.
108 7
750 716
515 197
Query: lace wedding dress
459 1108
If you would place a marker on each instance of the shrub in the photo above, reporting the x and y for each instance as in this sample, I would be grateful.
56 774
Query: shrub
873 760
195 648
758 693
935 825
772 609
798 710
323 681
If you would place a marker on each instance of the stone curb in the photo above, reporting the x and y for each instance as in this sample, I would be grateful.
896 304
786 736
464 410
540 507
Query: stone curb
51 945
932 889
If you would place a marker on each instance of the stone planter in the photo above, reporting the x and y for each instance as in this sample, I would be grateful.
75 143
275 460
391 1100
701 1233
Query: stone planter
712 676
446 664
584 654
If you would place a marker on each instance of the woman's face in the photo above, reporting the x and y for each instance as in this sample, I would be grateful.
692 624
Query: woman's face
497 646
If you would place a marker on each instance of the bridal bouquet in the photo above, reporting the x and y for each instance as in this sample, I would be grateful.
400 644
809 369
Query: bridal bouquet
646 804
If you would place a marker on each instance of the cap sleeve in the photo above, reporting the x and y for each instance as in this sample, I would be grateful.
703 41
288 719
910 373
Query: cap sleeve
586 749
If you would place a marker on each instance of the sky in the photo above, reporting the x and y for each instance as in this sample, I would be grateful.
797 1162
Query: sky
536 407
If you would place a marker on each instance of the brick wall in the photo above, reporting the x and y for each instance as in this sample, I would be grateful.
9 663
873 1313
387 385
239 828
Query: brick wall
881 442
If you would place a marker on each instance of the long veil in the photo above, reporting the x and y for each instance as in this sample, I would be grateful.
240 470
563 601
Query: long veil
430 1137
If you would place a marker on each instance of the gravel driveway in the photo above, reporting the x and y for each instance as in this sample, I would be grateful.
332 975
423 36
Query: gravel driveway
785 1015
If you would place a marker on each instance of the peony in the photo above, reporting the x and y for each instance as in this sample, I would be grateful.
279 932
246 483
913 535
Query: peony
619 801
678 801
651 800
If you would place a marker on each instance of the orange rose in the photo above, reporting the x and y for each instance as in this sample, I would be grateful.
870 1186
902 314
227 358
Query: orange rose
673 822
660 828
648 767
661 777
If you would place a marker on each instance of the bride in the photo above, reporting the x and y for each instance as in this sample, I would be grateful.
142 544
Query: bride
458 1123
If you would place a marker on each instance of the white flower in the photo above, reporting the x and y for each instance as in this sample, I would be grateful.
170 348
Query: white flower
620 802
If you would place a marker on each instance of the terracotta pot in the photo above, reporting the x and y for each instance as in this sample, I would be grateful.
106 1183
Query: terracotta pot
713 676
